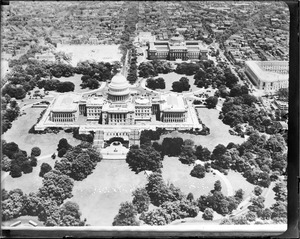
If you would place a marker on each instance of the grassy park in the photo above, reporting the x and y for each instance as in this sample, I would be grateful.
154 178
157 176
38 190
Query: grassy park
218 131
112 182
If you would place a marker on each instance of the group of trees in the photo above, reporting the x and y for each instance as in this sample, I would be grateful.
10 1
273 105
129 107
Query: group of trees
219 203
84 137
259 159
153 68
239 109
215 77
181 85
16 161
154 84
144 158
35 73
56 85
132 73
171 202
43 204
9 112
77 162
95 72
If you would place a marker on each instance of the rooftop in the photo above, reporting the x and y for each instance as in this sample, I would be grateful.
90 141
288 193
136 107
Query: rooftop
267 76
66 103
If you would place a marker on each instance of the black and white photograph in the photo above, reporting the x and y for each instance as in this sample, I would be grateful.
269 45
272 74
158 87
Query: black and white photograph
165 115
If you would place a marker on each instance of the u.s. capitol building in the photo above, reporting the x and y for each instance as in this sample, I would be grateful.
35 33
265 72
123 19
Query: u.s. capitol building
119 111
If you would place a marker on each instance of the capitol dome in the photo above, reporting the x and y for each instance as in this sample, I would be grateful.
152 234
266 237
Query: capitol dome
118 89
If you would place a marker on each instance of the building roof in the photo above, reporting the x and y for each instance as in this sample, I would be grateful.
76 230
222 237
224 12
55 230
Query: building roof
172 103
142 101
266 76
118 82
66 103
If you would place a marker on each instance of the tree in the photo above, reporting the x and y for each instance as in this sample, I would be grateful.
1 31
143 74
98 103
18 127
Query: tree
230 79
146 158
198 171
202 154
56 186
45 168
187 156
257 204
172 146
257 191
10 149
35 151
266 214
32 205
26 167
190 197
208 214
239 195
63 143
185 83
126 216
251 216
15 171
177 86
82 166
61 152
141 200
156 217
33 161
5 163
241 220
218 151
283 93
159 192
211 102
217 186
12 206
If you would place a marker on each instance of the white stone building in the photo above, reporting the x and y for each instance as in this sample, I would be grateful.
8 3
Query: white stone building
268 75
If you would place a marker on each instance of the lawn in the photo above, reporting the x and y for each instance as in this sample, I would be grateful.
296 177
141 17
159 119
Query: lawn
76 79
172 76
27 182
218 131
238 181
46 142
179 174
99 196
24 221
106 53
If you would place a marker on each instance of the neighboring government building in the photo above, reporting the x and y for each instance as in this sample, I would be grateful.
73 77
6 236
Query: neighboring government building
268 75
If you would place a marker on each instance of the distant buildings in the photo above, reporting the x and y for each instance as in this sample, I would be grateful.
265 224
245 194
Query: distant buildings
47 56
176 48
268 75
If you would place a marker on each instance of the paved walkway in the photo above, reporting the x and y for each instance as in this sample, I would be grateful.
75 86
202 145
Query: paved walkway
230 191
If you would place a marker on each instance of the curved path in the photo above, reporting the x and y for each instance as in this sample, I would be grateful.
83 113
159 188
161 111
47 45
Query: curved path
230 191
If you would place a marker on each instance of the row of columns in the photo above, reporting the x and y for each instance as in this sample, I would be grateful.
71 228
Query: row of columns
174 117
117 118
63 117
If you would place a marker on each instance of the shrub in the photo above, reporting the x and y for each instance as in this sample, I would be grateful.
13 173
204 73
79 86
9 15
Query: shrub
33 161
45 168
15 171
35 151
198 171
61 152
